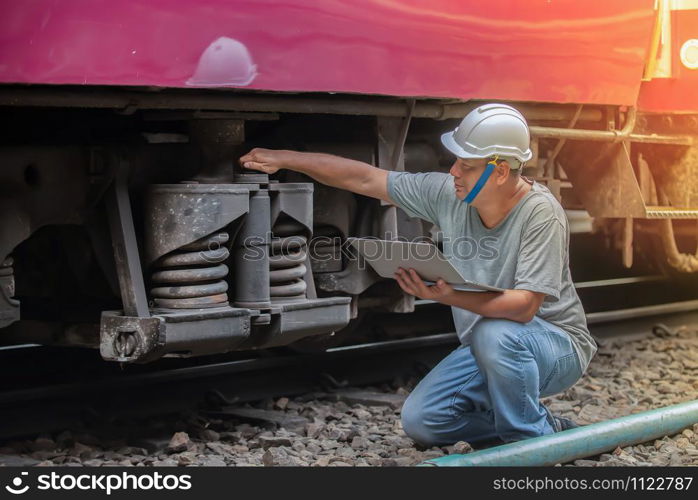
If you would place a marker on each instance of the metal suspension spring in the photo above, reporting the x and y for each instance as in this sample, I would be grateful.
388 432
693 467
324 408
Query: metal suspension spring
7 272
6 267
193 276
289 250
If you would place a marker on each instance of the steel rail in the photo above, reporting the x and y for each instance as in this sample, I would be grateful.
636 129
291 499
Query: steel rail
641 312
124 381
619 281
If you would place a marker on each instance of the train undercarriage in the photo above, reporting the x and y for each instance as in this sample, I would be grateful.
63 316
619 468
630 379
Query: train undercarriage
127 225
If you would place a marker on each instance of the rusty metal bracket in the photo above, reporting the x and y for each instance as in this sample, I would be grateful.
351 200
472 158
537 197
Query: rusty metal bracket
172 333
604 181
550 162
398 158
628 242
391 135
130 339
126 256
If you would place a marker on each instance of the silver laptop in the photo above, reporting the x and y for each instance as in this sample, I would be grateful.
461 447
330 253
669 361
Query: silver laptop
386 256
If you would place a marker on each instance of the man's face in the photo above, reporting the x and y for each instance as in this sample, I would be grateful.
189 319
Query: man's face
465 174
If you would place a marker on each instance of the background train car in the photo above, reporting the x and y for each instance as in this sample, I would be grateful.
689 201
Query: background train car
126 224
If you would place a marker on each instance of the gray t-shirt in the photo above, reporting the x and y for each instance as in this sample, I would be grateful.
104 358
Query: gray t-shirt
528 250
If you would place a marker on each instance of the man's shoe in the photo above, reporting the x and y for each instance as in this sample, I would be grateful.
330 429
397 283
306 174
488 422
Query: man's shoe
564 424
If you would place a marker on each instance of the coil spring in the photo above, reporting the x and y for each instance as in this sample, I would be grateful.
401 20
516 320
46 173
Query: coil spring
7 272
193 276
6 267
286 262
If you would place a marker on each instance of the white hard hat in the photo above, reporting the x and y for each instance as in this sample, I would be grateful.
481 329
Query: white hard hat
490 130
225 62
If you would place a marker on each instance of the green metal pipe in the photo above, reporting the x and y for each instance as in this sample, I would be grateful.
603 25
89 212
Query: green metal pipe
589 440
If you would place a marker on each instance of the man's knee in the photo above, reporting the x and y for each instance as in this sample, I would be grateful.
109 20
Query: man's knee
491 339
416 420
412 417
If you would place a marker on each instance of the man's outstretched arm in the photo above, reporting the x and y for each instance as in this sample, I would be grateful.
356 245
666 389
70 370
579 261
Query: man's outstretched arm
335 171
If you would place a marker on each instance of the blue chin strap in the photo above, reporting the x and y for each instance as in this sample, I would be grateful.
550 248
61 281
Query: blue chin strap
481 181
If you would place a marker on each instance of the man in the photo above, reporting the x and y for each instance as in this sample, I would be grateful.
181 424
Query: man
527 342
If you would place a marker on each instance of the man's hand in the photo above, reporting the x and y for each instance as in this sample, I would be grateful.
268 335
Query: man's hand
343 173
268 161
411 283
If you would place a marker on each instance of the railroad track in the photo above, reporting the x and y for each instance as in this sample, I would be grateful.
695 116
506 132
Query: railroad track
66 386
153 389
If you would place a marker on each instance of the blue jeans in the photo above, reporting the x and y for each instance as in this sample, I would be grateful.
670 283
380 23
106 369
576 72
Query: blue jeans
491 388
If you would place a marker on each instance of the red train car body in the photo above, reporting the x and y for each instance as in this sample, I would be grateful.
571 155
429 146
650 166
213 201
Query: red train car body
562 51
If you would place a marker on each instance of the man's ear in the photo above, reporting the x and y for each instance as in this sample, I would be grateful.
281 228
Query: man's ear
502 172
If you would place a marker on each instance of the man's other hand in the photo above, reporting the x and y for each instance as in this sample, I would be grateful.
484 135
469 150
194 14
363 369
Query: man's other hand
268 161
412 283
